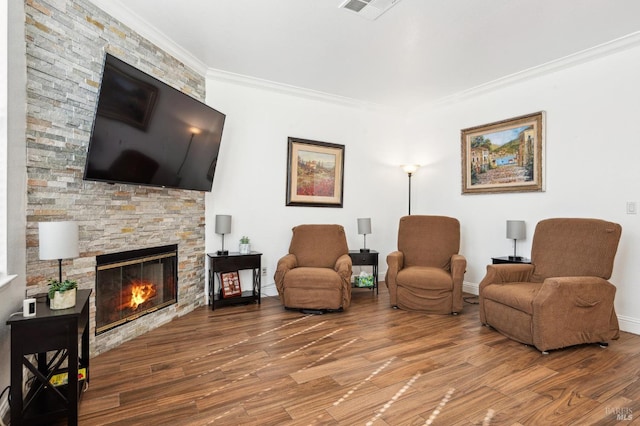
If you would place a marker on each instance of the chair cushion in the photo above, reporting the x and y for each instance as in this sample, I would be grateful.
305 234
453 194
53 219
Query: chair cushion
318 245
309 278
425 278
518 295
428 240
567 247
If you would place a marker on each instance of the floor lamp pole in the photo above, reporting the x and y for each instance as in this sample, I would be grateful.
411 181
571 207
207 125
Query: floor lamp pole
409 193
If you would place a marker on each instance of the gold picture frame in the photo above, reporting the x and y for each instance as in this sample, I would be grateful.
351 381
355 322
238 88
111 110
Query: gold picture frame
315 173
505 156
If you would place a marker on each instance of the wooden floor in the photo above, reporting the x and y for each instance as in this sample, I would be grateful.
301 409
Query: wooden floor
369 365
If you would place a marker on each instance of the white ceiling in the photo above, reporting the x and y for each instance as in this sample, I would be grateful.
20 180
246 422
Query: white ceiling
418 51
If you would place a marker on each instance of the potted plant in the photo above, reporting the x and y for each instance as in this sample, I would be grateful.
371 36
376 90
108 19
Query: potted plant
62 295
245 246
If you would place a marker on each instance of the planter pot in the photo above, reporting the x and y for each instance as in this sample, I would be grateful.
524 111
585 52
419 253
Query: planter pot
63 299
245 248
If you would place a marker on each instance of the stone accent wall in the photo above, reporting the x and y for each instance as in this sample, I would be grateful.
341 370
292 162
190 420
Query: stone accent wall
66 43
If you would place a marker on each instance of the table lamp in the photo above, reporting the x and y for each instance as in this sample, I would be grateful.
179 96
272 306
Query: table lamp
223 226
58 240
364 228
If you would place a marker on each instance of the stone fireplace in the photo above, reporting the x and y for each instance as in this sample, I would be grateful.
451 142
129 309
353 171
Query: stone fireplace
134 283
65 45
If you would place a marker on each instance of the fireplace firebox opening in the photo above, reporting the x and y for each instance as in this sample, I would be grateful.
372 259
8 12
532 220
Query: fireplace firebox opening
134 283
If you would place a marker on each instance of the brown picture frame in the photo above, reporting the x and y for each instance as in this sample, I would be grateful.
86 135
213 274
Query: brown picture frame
230 284
504 156
315 173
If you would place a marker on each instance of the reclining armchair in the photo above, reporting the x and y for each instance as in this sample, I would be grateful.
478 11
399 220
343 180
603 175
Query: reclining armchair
563 297
316 274
426 272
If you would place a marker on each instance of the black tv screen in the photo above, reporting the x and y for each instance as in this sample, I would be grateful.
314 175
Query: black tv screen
146 132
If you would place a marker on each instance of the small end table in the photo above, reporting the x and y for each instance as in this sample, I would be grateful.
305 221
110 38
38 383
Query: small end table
366 258
510 259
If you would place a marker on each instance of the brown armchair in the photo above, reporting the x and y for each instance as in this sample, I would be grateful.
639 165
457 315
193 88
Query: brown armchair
316 274
426 272
563 297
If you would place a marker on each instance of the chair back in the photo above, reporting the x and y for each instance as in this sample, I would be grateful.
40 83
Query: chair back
567 247
428 240
318 245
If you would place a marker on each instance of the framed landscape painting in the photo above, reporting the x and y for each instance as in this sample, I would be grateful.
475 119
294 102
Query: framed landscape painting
505 156
315 173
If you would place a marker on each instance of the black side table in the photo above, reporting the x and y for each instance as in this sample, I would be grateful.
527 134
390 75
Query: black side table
60 333
366 258
234 261
509 259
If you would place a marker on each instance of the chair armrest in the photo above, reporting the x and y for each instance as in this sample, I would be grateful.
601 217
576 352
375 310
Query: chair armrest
344 267
506 273
565 304
285 264
395 262
458 268
503 273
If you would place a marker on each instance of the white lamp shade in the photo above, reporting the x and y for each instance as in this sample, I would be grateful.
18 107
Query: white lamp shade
410 168
223 224
58 240
364 226
516 229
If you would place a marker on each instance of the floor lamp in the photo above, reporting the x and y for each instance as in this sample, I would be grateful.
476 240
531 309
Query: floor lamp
58 240
410 169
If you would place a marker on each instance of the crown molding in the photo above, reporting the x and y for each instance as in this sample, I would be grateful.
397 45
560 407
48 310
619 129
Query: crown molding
587 55
257 83
118 10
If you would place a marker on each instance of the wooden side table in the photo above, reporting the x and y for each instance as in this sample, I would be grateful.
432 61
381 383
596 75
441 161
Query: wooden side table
366 258
57 333
509 259
234 261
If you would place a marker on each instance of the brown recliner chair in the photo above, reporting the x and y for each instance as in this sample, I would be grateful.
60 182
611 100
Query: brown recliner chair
426 272
316 274
563 297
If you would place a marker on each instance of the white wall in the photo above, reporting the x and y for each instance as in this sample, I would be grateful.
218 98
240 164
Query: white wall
590 165
592 152
11 296
250 179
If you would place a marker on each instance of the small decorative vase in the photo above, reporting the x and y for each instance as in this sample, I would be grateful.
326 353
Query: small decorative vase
245 248
63 299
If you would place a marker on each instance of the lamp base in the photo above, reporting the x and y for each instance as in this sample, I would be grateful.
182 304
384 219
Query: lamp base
223 252
515 257
364 250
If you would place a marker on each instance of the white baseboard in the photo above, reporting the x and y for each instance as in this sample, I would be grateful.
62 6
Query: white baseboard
469 287
629 324
269 290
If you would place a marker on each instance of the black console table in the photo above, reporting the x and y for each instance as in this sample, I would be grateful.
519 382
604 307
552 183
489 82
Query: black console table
53 336
233 261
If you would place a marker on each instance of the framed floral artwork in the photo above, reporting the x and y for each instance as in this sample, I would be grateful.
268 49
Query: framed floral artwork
315 173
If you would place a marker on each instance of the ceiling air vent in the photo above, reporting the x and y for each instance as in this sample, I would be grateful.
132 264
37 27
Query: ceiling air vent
369 9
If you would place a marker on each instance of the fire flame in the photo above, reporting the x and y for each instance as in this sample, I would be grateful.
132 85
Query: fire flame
141 291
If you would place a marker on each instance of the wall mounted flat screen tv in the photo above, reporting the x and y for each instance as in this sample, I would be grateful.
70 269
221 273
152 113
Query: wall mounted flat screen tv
146 132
